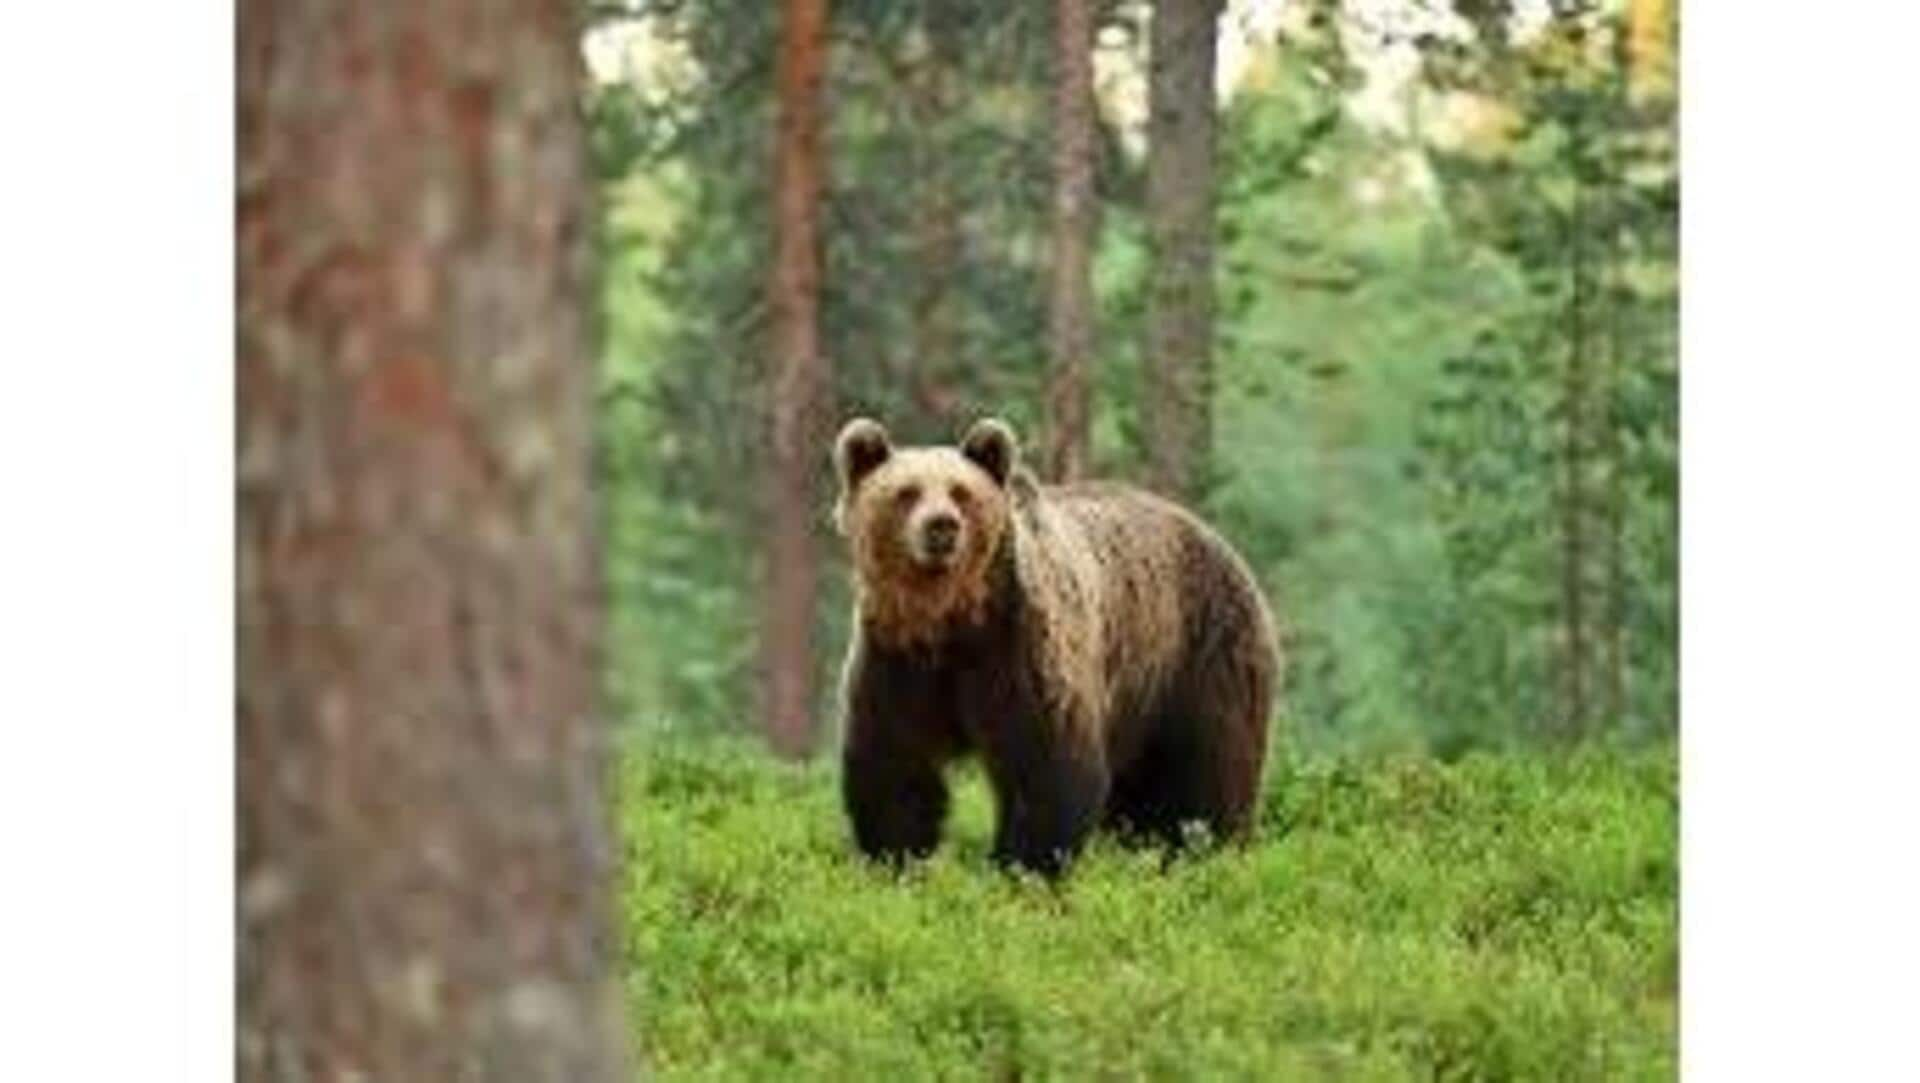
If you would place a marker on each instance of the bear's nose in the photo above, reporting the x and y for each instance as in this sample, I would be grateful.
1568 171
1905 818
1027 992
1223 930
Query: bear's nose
941 532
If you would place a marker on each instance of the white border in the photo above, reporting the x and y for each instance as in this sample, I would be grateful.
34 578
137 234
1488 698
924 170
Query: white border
116 589
1800 400
1801 404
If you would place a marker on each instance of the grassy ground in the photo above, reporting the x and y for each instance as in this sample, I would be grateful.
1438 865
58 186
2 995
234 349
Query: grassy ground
1500 918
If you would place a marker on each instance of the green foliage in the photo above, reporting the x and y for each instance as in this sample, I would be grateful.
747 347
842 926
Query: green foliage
682 413
1561 414
1502 917
1398 314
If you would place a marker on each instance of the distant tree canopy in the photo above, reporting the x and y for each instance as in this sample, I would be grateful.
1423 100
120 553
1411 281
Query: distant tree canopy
1441 413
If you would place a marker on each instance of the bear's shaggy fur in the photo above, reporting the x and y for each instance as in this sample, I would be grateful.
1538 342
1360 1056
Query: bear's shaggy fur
1104 652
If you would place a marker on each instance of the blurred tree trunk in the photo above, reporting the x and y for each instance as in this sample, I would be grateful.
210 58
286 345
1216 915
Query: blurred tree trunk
1613 647
1576 660
1180 207
422 864
1070 313
1613 661
935 368
798 383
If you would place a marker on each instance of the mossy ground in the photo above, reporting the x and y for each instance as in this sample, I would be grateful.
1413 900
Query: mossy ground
1507 916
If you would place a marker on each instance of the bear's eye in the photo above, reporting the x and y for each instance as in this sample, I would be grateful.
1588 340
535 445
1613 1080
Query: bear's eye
960 495
907 495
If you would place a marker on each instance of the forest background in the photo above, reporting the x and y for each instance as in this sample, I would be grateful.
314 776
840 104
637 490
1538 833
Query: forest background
1386 289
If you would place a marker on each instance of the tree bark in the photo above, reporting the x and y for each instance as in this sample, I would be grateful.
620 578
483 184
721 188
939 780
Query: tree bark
1070 313
422 859
797 384
1575 392
1180 207
935 365
1614 647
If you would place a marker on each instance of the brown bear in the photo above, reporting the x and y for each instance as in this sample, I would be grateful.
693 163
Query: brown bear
1107 656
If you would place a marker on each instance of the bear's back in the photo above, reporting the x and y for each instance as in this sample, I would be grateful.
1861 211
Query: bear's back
1159 584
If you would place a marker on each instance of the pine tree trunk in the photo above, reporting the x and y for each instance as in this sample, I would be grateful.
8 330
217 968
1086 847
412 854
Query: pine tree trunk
422 865
797 385
935 365
1573 525
1070 313
1614 648
1180 206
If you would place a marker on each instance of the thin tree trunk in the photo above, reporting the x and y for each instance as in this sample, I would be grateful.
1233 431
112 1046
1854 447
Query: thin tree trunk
1070 314
1614 648
1180 206
422 865
1573 554
798 384
935 361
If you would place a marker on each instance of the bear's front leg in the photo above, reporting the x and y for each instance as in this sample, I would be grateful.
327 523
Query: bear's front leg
897 801
1050 795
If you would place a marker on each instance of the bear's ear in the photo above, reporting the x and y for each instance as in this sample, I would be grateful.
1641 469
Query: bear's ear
861 446
991 445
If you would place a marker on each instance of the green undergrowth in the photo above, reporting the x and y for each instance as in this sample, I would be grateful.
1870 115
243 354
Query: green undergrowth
1507 916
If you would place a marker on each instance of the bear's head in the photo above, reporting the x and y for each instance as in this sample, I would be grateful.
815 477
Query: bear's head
924 523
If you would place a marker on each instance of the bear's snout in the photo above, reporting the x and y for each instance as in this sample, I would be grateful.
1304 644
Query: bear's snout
937 537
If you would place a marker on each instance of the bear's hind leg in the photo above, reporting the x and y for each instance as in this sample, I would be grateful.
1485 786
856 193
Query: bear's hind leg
1214 779
1142 803
1220 744
1202 764
1170 790
1048 801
